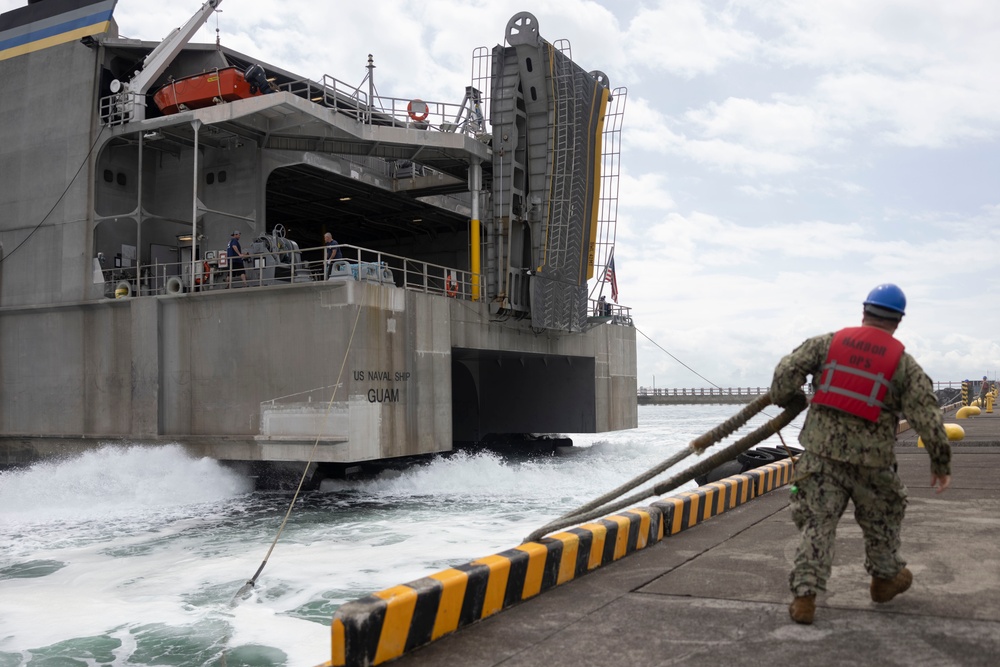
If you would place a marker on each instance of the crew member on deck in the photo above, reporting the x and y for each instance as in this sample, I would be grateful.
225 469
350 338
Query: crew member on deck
235 254
863 381
332 253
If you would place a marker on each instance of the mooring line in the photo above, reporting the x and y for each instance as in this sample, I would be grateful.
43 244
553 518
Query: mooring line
661 348
245 589
643 333
601 507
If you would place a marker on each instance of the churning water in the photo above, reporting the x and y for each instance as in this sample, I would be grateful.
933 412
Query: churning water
132 555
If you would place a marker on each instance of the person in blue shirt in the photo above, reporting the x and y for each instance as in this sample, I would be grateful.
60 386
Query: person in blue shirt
332 252
235 254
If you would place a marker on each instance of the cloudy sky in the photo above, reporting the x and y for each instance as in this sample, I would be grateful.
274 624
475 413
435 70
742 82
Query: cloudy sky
780 157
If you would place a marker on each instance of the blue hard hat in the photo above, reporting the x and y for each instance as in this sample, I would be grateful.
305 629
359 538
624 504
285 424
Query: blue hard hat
886 301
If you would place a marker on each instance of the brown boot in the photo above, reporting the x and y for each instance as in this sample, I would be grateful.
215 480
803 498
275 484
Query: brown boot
883 590
803 608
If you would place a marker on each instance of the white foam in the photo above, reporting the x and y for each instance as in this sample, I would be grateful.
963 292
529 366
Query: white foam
151 537
117 479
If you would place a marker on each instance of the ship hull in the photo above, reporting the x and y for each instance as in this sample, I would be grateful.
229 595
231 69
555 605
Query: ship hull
328 372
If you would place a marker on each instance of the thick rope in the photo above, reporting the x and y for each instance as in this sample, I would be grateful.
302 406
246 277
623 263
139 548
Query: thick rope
728 427
596 509
245 589
696 446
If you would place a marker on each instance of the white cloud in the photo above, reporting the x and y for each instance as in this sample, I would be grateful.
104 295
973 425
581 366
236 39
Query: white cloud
686 37
766 191
780 126
648 129
934 108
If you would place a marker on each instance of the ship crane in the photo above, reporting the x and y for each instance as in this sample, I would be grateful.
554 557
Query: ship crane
153 65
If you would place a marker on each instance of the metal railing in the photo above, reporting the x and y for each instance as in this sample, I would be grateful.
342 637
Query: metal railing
746 391
285 266
116 109
602 310
703 391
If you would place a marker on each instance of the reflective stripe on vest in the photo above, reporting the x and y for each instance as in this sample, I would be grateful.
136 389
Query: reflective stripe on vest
856 374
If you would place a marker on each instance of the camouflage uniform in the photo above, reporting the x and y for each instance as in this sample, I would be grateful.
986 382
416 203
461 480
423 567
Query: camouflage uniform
850 458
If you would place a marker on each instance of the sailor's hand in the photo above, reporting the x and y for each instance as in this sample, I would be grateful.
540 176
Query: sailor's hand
942 482
796 401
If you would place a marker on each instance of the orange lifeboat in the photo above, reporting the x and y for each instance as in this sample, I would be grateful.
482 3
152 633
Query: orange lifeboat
203 90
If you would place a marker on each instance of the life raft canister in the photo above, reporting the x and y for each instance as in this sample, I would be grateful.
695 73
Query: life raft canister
855 376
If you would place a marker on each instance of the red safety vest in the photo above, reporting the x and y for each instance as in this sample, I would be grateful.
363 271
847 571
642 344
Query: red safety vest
855 376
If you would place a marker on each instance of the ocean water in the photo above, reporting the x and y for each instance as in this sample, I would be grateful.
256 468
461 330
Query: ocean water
133 555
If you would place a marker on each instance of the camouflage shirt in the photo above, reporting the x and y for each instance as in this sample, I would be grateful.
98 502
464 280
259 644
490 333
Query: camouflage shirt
840 436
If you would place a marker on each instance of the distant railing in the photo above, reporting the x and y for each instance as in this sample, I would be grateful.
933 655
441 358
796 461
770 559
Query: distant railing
747 391
702 391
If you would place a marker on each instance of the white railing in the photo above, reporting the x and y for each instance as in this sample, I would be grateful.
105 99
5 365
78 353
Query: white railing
285 266
463 118
746 391
606 311
703 391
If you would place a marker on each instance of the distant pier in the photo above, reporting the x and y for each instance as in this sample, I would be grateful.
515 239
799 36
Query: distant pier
701 395
946 391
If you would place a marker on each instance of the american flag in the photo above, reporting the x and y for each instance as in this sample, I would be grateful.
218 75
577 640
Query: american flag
609 277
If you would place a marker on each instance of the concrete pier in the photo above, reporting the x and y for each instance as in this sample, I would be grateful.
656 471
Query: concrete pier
716 593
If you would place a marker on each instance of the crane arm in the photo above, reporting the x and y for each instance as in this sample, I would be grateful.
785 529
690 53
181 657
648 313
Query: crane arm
159 58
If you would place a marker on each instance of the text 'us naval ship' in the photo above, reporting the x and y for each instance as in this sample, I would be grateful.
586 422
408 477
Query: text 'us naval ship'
463 301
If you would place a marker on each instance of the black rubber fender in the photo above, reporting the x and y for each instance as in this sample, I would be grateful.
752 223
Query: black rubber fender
754 458
780 453
727 469
776 452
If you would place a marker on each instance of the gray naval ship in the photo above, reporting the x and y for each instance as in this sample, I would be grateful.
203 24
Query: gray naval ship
466 301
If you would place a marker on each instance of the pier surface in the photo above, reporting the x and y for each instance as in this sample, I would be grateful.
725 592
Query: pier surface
717 593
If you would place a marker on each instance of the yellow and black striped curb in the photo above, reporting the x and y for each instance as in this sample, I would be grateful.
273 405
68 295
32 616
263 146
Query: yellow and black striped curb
389 623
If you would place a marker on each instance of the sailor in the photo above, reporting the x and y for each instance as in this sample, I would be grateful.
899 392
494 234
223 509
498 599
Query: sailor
863 380
235 254
332 253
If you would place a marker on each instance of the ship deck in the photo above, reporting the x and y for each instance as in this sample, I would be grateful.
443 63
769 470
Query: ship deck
717 593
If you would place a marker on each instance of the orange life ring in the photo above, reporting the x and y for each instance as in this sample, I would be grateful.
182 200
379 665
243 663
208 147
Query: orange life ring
415 114
450 286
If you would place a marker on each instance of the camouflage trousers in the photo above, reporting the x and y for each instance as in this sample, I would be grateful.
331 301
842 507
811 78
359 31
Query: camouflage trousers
821 491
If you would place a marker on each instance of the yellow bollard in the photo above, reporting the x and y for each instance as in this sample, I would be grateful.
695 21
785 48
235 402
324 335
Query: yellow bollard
953 431
989 402
967 411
